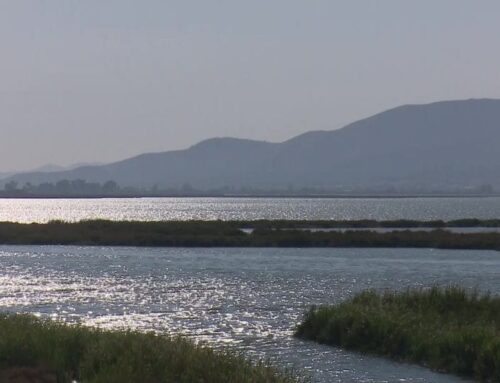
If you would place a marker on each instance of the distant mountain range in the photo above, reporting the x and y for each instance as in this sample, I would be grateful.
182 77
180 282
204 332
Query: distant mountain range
438 146
49 168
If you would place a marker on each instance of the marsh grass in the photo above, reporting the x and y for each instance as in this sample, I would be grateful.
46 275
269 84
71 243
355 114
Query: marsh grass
90 355
446 329
264 234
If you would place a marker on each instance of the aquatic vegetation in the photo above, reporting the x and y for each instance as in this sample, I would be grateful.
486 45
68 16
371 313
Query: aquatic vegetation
366 223
446 329
62 353
263 234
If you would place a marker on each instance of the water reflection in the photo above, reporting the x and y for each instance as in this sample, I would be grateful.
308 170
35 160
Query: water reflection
156 209
248 299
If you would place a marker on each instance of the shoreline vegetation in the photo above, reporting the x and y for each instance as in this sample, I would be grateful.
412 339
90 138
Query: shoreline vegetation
262 233
79 188
45 351
446 329
263 195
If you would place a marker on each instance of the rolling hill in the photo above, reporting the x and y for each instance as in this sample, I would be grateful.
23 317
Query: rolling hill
443 145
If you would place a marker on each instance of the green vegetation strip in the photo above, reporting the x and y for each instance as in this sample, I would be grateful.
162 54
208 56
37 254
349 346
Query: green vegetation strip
264 234
46 351
448 329
368 223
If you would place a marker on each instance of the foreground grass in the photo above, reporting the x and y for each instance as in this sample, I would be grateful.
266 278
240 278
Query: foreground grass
56 352
448 330
264 234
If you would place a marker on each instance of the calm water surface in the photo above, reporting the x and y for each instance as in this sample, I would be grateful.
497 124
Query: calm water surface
247 299
146 209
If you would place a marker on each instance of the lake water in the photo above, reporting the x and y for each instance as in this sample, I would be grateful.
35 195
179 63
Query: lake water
246 299
156 209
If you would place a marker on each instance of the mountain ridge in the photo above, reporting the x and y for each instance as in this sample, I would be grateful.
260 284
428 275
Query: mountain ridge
439 145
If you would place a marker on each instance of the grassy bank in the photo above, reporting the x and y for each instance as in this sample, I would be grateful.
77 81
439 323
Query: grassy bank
228 234
368 223
55 352
445 329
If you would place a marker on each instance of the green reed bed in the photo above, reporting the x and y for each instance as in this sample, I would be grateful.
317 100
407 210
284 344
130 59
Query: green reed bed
56 352
229 234
368 223
446 329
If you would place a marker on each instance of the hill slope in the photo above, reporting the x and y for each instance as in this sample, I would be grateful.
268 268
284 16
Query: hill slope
440 145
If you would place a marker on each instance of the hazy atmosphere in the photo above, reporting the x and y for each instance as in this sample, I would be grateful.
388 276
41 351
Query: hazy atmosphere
98 81
266 191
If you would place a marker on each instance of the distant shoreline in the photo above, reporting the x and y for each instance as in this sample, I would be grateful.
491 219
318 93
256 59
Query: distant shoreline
256 196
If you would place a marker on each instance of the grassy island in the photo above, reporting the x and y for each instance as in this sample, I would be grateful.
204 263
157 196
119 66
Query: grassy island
263 234
448 330
44 351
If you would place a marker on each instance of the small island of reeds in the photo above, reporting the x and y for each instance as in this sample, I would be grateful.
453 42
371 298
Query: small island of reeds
418 234
35 350
447 329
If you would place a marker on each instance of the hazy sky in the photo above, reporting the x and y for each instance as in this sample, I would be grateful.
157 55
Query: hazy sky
101 80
